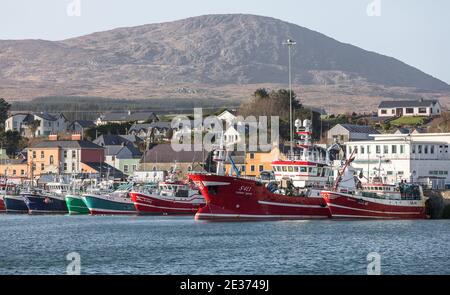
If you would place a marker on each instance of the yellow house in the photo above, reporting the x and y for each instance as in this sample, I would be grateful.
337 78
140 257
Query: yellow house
256 162
14 169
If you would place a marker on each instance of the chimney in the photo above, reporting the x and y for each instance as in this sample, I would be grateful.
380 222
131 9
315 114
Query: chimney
76 136
53 137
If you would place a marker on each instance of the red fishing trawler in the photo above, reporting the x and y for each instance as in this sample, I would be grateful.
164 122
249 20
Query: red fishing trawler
293 194
374 200
170 197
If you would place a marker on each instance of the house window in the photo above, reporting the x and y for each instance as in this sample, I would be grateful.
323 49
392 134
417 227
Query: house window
34 154
394 149
419 149
425 149
413 148
362 149
52 160
252 156
422 110
377 149
243 168
385 149
409 111
22 172
261 168
42 167
134 167
33 166
432 149
393 112
65 166
125 168
65 154
14 172
154 168
252 168
368 149
74 154
42 154
402 149
383 112
73 167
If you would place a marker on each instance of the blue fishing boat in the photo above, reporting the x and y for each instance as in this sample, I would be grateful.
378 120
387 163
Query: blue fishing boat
15 204
42 202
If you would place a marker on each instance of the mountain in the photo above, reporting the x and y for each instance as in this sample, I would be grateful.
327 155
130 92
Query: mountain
212 56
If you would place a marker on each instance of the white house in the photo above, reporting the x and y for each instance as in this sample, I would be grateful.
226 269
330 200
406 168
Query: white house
48 124
420 157
350 132
398 108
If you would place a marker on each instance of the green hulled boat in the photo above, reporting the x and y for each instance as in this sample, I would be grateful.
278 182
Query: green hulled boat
76 205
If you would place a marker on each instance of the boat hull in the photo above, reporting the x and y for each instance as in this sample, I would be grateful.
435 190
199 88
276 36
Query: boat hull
38 204
99 205
15 204
75 205
350 206
232 198
153 205
2 205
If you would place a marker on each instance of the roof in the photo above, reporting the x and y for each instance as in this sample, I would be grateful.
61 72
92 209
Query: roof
129 116
46 116
74 144
113 139
360 128
84 123
407 103
105 169
164 153
113 150
131 138
146 126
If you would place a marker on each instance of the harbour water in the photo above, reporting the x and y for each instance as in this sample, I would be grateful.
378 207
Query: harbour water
181 245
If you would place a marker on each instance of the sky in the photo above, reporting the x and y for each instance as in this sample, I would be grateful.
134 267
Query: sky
416 32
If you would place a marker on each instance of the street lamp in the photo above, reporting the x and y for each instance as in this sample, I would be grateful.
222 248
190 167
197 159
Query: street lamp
290 43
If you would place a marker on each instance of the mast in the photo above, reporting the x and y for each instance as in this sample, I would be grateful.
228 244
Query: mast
290 43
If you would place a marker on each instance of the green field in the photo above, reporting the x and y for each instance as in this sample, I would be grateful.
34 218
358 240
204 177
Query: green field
409 121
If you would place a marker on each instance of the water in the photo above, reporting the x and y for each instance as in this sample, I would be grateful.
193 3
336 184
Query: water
180 245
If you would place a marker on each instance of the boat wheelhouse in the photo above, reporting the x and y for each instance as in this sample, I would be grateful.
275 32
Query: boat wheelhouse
308 169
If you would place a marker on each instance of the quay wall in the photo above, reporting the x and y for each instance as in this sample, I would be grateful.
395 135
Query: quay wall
438 204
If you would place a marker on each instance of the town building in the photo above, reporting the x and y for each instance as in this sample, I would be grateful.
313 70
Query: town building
38 124
80 126
253 163
349 132
119 140
419 157
399 108
125 158
63 156
152 132
162 157
14 169
125 117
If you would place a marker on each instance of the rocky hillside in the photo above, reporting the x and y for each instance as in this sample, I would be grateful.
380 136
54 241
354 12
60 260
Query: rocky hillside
209 56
